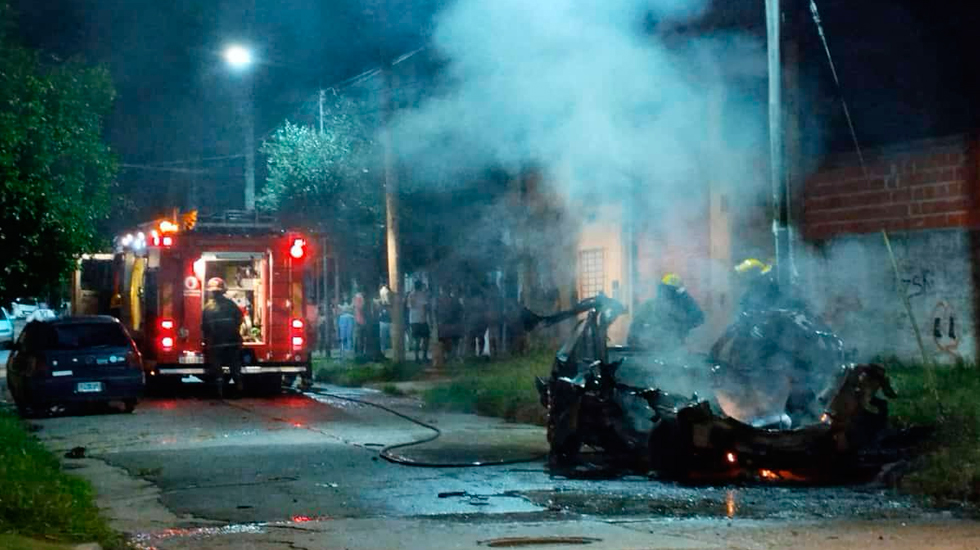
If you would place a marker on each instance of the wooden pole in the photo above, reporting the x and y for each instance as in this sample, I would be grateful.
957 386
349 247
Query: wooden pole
391 222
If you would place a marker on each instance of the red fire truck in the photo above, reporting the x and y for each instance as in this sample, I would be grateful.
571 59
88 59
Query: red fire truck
157 276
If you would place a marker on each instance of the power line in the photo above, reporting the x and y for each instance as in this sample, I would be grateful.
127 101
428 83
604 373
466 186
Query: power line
155 168
833 69
195 161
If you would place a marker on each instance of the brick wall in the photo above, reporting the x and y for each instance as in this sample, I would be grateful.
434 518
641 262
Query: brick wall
928 184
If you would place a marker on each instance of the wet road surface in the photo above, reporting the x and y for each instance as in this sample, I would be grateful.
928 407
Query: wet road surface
241 464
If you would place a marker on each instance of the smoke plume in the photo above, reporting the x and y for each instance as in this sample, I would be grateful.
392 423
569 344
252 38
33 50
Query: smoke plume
597 95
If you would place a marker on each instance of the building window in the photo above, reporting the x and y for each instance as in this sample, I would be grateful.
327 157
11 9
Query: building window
591 272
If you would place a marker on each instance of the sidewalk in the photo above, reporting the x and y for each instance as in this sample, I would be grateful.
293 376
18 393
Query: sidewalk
661 534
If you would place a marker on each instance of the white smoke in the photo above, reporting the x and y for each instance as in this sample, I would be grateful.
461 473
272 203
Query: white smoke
589 92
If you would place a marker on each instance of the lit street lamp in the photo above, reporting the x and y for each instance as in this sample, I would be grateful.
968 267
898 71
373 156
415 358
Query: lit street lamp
240 58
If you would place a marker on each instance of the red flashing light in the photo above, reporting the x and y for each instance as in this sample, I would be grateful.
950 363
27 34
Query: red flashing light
168 241
167 343
156 241
297 323
298 250
167 324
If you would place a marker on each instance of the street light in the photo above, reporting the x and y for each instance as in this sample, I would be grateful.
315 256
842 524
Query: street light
239 58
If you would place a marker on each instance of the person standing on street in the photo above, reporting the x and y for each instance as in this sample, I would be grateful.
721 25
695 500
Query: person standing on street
418 319
449 315
360 325
345 326
221 324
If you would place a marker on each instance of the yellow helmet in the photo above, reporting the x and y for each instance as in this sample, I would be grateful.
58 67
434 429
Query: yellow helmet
754 266
671 279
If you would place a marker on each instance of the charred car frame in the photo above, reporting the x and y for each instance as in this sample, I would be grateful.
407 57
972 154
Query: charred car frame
599 417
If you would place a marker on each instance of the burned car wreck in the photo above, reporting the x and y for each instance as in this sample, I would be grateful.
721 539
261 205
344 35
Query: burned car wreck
774 401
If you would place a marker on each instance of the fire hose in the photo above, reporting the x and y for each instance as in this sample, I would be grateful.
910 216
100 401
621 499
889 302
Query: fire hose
387 454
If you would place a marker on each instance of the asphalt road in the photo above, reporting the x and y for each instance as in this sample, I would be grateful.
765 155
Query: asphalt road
195 472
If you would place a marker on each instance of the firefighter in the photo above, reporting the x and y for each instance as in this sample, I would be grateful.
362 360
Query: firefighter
761 290
663 323
220 324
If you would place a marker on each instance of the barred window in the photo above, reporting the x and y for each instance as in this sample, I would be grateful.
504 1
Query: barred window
591 272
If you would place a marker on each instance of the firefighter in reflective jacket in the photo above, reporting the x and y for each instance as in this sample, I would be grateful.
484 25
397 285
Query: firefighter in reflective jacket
662 324
221 326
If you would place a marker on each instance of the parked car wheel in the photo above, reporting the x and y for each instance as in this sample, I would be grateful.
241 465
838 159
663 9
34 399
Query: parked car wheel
129 406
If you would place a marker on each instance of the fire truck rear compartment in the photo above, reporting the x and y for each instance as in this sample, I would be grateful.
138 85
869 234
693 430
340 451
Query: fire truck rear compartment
247 278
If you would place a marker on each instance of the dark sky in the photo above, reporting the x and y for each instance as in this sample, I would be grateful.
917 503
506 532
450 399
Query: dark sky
908 67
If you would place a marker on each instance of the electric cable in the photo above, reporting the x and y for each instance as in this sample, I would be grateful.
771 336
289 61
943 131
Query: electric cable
386 452
833 70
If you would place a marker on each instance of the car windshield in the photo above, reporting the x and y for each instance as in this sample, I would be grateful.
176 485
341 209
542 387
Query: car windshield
83 335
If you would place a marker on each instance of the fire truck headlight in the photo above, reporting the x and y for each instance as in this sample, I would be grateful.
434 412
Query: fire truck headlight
167 343
297 323
297 341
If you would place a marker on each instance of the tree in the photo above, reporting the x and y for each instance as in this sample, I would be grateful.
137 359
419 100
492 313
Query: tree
56 171
327 180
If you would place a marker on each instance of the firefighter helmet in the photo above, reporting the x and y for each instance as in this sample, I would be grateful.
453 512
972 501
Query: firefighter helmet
753 266
671 279
217 284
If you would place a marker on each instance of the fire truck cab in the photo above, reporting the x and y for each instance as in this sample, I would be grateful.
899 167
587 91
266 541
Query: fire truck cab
158 276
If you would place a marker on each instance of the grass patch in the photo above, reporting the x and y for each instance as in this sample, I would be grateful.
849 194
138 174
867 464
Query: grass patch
38 500
504 389
356 374
950 469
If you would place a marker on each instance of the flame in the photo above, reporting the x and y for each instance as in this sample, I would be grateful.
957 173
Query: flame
731 458
768 474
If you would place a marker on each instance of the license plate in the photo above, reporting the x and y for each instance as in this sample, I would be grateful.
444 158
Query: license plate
89 387
190 360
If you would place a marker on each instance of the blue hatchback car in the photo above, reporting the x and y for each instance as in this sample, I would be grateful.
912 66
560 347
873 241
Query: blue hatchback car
74 360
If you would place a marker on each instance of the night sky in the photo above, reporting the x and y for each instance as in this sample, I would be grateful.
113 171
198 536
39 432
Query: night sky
908 69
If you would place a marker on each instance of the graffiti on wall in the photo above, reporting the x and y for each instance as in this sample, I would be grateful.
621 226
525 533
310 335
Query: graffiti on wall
920 283
945 329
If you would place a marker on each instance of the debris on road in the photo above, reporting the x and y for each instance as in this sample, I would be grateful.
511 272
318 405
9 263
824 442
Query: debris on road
76 452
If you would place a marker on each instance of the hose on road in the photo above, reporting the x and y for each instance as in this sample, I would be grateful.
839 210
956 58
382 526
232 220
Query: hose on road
386 453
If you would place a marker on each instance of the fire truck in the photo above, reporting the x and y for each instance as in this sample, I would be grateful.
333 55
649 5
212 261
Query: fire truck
153 283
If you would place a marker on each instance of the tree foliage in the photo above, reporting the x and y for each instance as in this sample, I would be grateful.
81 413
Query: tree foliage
56 171
329 180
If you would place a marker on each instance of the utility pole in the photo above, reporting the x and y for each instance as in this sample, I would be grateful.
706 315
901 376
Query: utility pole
776 149
249 108
249 149
391 220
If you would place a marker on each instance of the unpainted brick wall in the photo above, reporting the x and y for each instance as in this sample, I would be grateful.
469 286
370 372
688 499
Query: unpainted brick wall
928 184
